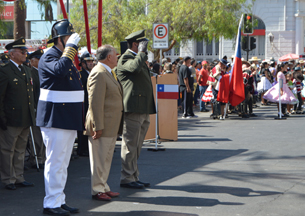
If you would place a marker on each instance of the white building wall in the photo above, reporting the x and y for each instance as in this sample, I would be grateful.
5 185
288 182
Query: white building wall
280 18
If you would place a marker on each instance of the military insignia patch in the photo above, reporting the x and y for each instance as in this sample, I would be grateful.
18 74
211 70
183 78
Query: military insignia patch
15 80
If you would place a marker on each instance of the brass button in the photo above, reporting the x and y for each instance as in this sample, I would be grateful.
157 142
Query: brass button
63 104
13 108
26 84
16 83
29 96
29 103
69 69
140 95
28 89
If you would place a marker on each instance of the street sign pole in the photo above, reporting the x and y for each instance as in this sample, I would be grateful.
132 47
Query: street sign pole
160 41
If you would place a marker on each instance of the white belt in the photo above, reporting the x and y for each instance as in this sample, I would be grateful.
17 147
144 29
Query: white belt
61 96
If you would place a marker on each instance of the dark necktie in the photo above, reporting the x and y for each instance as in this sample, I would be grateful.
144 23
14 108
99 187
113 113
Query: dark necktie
22 71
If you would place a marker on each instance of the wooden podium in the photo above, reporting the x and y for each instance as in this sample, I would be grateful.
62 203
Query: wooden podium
167 112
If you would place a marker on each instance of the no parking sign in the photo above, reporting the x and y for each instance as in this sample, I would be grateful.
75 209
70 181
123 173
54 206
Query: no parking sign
160 35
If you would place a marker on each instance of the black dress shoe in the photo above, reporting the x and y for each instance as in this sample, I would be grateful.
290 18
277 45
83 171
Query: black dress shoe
25 184
146 184
133 185
55 211
10 187
69 209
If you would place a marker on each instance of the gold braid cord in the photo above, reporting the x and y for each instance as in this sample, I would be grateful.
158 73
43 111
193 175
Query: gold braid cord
69 52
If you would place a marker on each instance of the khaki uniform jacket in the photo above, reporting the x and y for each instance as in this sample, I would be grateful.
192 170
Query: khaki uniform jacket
134 75
105 103
16 96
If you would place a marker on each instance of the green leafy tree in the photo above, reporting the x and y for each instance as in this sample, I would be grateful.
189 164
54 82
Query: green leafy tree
20 15
193 19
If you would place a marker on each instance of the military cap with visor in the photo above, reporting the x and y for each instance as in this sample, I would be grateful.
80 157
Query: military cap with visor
137 36
36 54
19 43
61 28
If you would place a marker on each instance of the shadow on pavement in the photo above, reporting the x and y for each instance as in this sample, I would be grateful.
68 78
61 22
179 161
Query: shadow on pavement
235 191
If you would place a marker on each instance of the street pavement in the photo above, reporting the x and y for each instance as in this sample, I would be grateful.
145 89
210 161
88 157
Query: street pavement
236 167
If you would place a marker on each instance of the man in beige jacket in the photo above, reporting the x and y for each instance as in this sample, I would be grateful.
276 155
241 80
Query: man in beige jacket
104 120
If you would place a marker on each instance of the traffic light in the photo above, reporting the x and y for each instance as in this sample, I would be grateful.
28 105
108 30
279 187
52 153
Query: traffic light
252 43
244 43
248 24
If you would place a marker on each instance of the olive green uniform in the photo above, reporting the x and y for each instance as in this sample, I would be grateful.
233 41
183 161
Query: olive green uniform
17 113
134 75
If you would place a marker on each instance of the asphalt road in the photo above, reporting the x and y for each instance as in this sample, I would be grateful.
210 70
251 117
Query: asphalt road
240 167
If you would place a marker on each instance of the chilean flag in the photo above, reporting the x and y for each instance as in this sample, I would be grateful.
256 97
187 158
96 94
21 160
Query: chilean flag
167 91
237 91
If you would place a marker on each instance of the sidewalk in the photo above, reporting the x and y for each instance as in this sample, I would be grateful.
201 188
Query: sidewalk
245 167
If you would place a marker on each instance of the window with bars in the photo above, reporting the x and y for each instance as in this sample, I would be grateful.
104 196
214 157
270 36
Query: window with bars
209 48
199 48
217 47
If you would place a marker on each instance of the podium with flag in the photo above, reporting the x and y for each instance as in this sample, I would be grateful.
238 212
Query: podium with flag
166 94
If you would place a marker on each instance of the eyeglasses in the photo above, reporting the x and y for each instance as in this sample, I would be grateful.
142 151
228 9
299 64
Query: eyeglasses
22 51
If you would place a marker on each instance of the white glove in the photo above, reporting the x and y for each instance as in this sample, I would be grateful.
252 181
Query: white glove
74 39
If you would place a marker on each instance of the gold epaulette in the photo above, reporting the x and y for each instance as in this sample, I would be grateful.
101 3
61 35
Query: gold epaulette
69 52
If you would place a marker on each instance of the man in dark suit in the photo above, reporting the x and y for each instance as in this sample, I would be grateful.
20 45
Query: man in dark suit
134 75
16 115
40 148
86 62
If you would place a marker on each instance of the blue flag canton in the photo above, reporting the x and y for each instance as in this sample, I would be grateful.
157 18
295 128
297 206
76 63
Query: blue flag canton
160 88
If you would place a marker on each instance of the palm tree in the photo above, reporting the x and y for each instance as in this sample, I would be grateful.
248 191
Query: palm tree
20 15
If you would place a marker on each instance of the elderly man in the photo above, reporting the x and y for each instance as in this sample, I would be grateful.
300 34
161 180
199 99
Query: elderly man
134 76
104 120
16 116
59 113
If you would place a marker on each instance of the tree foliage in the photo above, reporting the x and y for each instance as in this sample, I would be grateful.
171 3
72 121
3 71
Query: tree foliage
192 19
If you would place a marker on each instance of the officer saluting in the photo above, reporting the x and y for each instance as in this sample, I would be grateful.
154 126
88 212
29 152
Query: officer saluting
16 115
134 75
59 113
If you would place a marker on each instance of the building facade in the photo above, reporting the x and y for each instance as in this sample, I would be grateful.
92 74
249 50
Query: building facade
280 31
36 27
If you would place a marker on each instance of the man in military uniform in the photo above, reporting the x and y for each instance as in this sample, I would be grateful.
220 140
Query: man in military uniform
86 62
134 75
59 113
40 148
16 115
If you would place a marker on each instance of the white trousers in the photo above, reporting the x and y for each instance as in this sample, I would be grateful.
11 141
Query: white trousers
59 146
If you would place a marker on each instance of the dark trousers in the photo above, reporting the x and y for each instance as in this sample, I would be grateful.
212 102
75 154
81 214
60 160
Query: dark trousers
248 102
196 95
82 148
187 103
202 90
299 105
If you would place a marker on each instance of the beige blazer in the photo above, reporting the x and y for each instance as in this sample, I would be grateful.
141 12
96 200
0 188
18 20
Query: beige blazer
105 96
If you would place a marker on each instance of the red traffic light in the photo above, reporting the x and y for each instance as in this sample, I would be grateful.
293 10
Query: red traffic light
248 17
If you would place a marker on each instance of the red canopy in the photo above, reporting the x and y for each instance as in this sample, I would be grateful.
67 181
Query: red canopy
288 57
